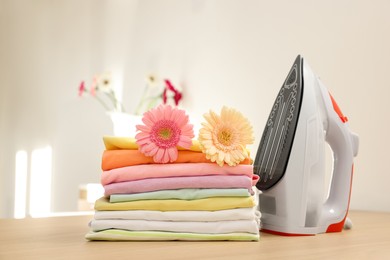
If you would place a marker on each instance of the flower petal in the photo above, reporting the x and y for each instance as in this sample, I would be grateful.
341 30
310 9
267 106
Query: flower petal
239 155
142 135
159 112
143 128
165 157
212 150
235 156
213 157
173 153
210 118
185 142
221 155
188 128
220 163
181 119
189 134
143 141
167 112
147 121
205 135
149 147
227 158
152 152
158 157
142 148
174 114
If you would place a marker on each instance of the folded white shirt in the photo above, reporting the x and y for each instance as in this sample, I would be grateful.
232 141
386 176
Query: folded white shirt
195 216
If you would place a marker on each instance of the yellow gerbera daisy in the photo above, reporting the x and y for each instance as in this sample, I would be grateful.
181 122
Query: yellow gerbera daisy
224 138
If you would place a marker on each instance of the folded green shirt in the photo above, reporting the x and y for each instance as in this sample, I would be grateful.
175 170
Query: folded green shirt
182 194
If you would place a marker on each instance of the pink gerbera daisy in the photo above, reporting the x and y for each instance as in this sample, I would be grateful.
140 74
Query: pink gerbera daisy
165 128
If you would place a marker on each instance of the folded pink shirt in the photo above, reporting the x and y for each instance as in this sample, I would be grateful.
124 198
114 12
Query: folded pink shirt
139 172
170 183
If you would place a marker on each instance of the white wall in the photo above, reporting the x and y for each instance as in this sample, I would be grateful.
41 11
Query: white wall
238 53
225 52
46 49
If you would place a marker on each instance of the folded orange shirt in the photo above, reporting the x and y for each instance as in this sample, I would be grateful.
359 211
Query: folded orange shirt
121 158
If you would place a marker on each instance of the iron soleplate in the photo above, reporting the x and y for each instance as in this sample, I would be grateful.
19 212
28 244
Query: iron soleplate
275 146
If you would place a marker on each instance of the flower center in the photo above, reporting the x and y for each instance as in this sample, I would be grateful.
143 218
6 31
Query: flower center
165 134
225 137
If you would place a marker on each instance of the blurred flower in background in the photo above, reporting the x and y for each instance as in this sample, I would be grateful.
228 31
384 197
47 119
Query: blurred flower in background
151 95
177 96
102 90
156 91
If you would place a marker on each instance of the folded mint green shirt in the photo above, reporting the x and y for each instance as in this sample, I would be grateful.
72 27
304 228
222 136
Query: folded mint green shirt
182 194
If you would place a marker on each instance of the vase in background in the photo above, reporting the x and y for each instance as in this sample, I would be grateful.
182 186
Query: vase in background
124 124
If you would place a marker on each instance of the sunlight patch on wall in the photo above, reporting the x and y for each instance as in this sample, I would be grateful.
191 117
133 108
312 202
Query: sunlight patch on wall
40 182
94 192
88 194
20 184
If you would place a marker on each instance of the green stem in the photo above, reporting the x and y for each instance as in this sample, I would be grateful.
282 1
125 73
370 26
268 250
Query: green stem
102 103
114 100
139 106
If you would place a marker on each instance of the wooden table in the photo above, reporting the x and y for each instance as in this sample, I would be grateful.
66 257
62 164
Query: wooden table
63 238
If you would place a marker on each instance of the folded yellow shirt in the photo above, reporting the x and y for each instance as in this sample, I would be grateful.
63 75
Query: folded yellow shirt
129 143
210 204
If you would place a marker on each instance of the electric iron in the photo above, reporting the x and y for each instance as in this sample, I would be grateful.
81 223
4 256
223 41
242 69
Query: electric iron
290 159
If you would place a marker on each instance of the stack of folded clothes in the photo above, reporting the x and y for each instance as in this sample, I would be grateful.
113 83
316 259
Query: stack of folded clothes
190 197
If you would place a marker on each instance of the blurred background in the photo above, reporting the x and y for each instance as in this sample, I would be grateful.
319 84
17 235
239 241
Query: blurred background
218 52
